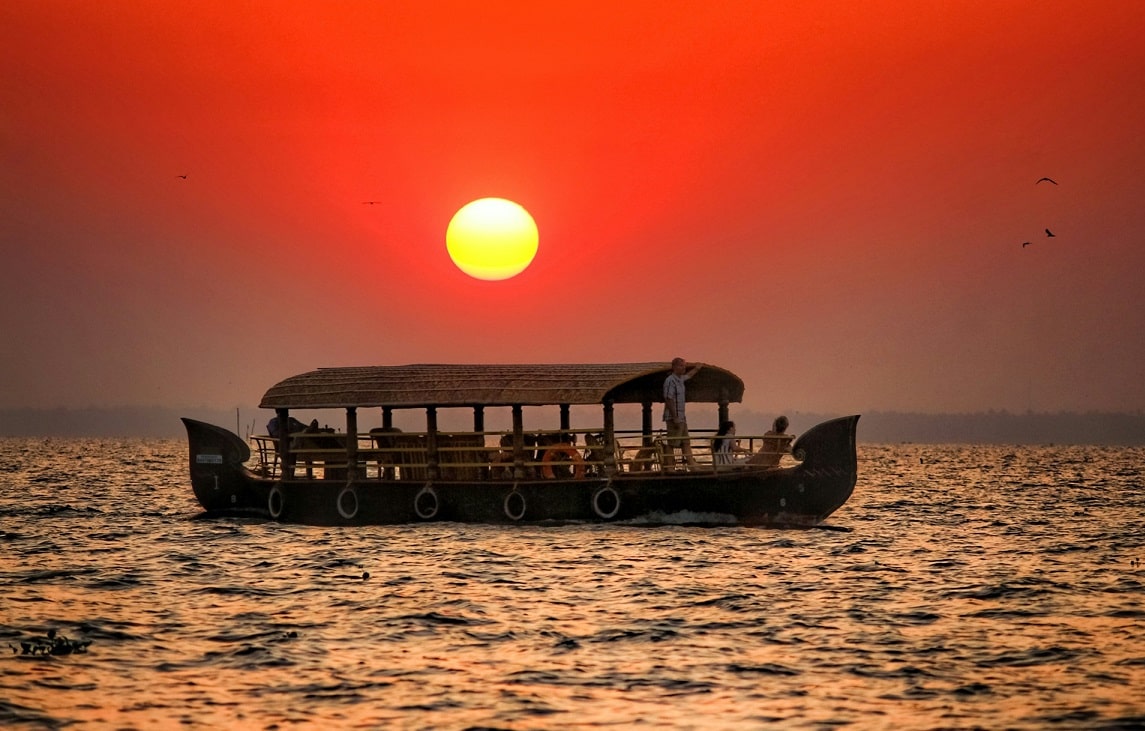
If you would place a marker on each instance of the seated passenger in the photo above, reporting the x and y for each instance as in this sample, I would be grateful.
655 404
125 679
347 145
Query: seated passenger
384 441
594 453
725 446
533 455
645 459
501 464
293 426
776 443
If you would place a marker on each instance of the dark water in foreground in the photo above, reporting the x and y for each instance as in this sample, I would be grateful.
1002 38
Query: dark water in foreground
978 587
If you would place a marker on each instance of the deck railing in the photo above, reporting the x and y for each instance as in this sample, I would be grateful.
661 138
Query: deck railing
566 453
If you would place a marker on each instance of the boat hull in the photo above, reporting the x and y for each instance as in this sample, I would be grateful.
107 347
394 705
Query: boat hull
801 495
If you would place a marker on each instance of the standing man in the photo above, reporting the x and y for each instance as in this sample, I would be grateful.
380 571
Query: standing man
676 422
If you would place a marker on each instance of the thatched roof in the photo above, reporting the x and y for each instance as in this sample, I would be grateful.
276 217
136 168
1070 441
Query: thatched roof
493 385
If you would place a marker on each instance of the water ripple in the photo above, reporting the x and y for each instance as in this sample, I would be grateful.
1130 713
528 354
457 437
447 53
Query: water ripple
973 587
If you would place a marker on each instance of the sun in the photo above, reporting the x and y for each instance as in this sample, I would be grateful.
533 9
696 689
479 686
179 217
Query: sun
492 239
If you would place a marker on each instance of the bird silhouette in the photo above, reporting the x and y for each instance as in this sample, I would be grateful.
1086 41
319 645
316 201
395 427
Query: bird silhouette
1025 244
370 203
1051 180
184 177
1049 234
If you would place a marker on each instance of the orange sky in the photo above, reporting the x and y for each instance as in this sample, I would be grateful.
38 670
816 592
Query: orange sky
827 198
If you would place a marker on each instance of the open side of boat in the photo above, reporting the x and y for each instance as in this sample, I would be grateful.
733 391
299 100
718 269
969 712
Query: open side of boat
386 476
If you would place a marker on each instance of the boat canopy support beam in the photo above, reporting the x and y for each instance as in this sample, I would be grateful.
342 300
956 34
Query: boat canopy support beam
286 459
351 441
518 442
646 422
609 437
431 441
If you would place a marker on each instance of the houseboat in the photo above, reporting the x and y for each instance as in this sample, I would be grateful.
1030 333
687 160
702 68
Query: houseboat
549 472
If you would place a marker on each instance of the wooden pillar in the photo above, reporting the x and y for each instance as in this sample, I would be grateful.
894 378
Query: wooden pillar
518 442
609 438
479 418
386 460
431 441
565 422
723 406
351 442
646 422
286 459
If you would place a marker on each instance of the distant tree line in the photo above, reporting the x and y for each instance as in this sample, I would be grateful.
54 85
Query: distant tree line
124 421
878 427
994 427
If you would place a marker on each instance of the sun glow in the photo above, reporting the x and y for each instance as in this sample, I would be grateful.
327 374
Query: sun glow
492 239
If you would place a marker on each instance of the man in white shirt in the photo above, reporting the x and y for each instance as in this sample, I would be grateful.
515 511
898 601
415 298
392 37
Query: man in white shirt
675 420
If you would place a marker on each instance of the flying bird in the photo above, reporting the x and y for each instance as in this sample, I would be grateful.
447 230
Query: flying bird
1025 244
1049 234
370 203
1051 180
184 177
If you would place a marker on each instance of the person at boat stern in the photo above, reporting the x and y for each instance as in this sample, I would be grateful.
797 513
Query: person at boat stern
776 443
675 419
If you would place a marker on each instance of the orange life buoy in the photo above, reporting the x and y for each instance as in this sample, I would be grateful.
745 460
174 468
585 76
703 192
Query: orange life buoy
563 450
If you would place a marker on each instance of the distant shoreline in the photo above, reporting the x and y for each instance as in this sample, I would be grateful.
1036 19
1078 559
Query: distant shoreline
878 427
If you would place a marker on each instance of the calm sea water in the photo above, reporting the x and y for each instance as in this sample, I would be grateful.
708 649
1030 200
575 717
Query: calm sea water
972 587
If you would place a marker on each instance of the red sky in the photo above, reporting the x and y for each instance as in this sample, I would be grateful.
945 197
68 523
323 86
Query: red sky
827 198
